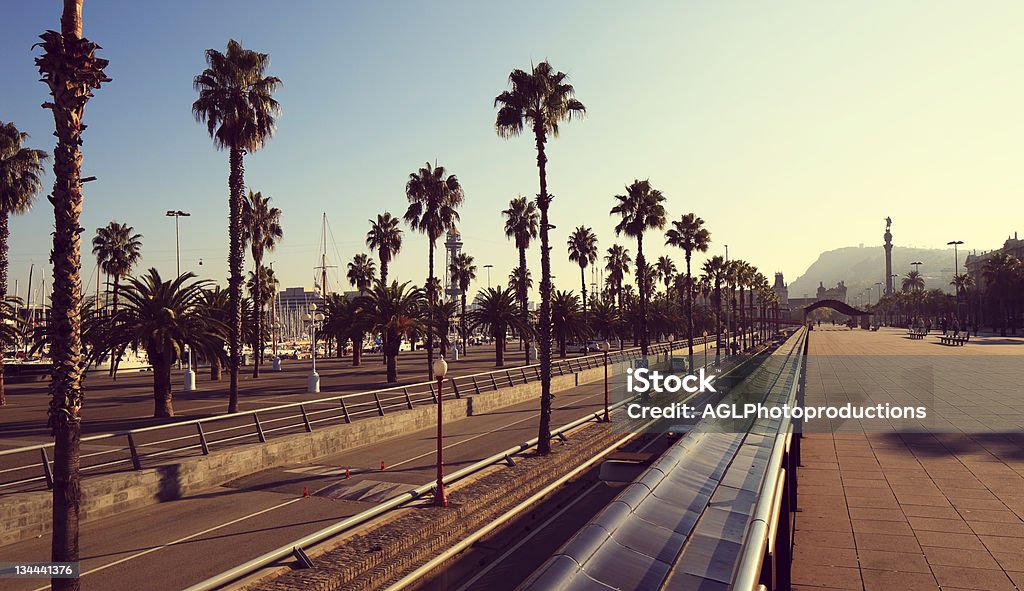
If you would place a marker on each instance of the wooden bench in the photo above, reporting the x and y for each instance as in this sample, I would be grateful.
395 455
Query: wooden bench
957 340
917 333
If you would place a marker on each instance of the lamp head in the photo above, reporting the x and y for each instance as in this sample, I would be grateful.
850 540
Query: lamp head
603 346
440 367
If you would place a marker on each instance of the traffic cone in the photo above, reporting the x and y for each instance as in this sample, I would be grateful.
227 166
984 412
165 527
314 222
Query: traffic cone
347 474
382 465
305 492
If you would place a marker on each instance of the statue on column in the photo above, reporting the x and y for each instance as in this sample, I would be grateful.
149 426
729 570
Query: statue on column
888 223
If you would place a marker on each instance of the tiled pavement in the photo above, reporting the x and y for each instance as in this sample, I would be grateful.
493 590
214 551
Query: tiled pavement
902 512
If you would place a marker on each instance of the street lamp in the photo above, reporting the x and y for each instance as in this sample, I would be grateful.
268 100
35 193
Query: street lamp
917 266
670 338
190 376
313 318
440 367
604 346
956 273
489 267
177 246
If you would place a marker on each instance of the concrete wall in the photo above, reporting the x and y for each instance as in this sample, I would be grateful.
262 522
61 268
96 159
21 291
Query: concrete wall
28 515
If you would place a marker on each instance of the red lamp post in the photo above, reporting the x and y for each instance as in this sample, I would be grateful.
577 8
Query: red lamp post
440 367
604 346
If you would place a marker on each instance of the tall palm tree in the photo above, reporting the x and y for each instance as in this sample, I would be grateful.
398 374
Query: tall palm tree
962 283
70 68
641 208
1001 272
261 231
361 272
463 272
715 271
617 263
732 274
522 221
496 313
393 310
434 199
20 171
385 237
689 234
541 99
518 277
117 250
237 104
583 252
665 270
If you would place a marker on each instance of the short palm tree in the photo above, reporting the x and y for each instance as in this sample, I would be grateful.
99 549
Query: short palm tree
583 252
1001 272
394 312
496 313
641 208
160 317
463 272
689 234
261 231
434 199
913 281
385 237
617 262
566 319
20 172
665 270
518 277
715 270
117 250
361 272
11 328
522 221
604 318
215 308
540 99
237 105
262 284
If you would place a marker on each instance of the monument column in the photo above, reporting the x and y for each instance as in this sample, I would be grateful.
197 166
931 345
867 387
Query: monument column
888 256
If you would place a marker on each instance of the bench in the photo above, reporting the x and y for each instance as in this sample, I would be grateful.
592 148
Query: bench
955 340
917 333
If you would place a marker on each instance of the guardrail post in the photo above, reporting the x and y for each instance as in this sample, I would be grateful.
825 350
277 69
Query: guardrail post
305 419
47 472
476 386
259 428
408 399
344 410
784 537
380 408
202 439
135 454
455 388
494 382
432 393
508 374
522 370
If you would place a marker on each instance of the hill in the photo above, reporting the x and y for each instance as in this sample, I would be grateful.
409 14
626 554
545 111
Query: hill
861 267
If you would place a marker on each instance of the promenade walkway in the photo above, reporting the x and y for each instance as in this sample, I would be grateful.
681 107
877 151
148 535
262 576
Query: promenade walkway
940 508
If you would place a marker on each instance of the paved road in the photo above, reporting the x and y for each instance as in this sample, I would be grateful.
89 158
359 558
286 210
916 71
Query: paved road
173 545
910 511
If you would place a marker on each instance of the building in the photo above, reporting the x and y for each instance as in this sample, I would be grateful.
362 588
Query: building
452 248
975 263
781 290
831 293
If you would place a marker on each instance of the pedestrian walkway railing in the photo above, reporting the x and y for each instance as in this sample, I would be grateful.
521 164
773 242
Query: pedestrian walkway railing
26 468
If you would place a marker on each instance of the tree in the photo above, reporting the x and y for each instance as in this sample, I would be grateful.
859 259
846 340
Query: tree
393 311
1001 272
583 252
714 274
262 285
434 199
214 306
463 272
161 317
385 237
604 318
496 313
521 223
117 250
237 105
689 234
20 171
566 320
261 231
361 272
617 263
913 281
518 277
541 99
641 208
71 70
665 270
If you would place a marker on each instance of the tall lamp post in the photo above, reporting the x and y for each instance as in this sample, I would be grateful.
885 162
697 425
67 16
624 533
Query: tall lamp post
190 376
177 244
440 367
604 346
956 273
488 267
313 317
670 338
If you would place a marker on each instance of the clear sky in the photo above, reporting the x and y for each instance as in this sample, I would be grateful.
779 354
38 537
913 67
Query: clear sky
790 127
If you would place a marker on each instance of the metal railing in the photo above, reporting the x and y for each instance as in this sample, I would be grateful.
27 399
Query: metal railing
142 447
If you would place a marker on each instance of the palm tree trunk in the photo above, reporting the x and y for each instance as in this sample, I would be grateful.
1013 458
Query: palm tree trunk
430 312
499 349
523 335
162 394
258 312
543 201
583 290
383 268
462 322
689 314
4 235
357 349
641 268
718 324
215 369
236 185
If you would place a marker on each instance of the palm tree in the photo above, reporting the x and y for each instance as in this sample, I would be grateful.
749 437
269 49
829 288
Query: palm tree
20 169
604 318
913 281
715 270
361 272
617 263
522 221
385 237
732 269
541 99
393 310
641 209
262 285
434 199
744 278
516 278
117 250
215 307
1001 272
70 68
161 317
261 231
689 234
236 102
565 319
463 272
962 283
496 313
665 270
583 252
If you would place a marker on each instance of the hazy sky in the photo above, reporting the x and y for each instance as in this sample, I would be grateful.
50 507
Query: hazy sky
790 127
